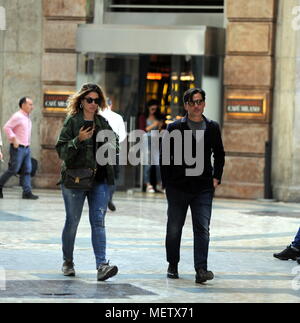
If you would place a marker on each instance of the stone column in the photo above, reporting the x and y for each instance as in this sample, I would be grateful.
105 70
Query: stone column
59 68
248 82
286 115
20 65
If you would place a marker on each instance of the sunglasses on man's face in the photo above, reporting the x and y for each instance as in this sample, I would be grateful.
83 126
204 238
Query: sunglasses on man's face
193 103
91 100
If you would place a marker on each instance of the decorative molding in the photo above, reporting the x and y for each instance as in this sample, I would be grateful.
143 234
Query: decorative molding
68 18
61 50
60 83
242 154
273 20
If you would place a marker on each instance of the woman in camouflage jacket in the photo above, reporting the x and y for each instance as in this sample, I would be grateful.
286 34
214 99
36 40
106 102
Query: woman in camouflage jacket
77 147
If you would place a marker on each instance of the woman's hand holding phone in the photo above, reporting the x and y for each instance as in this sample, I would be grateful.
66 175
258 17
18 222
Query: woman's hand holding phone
85 134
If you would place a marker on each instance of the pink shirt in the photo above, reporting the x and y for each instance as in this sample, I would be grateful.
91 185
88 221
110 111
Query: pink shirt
19 126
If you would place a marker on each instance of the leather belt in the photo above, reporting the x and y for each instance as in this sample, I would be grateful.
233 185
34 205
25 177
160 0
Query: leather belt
22 146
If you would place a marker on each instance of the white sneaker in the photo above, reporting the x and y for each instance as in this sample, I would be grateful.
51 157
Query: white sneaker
149 189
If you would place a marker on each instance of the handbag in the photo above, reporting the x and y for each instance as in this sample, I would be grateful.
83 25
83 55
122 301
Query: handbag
79 178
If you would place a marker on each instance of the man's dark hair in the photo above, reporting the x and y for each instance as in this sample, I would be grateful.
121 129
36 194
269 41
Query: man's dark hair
22 101
188 95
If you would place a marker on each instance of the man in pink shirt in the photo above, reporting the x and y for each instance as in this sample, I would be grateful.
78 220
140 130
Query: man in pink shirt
18 131
1 155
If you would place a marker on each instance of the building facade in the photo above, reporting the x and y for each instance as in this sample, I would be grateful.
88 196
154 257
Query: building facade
252 75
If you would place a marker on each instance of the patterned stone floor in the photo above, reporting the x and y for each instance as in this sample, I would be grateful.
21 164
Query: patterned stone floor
244 235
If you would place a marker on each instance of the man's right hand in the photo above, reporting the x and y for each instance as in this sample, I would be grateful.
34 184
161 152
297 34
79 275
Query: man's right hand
15 143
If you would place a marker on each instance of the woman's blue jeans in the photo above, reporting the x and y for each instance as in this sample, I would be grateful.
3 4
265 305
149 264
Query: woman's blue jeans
201 207
74 202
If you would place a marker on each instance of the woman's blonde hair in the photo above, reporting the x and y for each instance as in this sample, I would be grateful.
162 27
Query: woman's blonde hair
74 101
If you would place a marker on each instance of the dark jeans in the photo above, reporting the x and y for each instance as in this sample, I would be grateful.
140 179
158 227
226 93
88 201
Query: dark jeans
296 242
112 188
19 157
201 206
147 174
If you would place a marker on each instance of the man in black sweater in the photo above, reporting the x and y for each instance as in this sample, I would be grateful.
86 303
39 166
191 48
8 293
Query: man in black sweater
187 187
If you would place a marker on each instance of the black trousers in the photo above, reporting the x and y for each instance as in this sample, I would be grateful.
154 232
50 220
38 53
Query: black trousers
201 206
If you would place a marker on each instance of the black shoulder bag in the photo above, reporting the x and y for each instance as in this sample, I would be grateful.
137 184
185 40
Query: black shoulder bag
79 178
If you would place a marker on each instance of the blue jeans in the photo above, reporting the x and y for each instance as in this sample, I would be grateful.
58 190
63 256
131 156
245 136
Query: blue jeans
201 206
18 157
296 242
74 202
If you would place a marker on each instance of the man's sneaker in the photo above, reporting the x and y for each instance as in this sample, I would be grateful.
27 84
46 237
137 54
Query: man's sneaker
173 271
29 196
68 268
106 271
289 253
203 275
1 193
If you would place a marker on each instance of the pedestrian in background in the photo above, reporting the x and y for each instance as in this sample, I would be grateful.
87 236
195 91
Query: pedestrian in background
117 124
18 131
196 192
1 144
151 120
292 251
77 147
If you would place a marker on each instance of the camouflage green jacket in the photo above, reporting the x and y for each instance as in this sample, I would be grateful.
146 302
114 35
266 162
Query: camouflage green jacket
76 154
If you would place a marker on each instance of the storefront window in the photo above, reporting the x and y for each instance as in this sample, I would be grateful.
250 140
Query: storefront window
132 80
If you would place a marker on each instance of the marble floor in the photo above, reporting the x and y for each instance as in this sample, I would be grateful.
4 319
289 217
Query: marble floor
244 235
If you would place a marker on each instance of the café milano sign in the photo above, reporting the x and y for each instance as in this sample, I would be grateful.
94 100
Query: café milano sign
245 108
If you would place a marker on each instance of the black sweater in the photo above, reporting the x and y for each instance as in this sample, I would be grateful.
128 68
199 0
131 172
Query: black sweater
175 175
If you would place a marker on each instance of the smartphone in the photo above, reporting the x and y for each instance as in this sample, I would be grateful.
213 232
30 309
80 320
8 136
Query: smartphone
88 124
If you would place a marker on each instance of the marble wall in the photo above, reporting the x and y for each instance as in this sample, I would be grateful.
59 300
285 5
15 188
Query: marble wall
286 114
20 65
59 66
248 74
